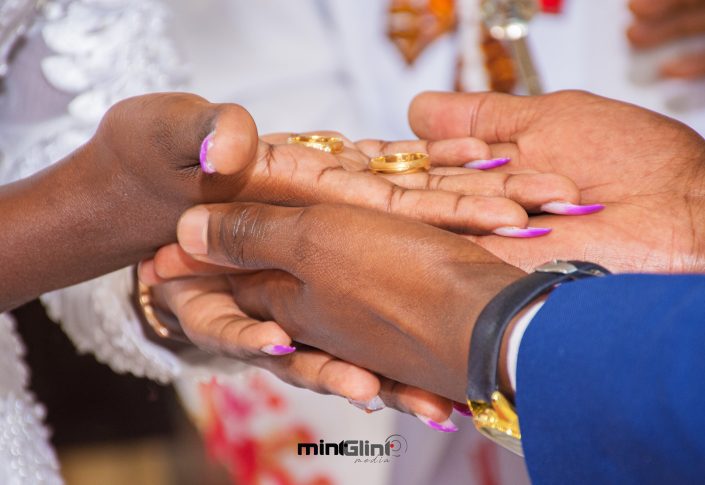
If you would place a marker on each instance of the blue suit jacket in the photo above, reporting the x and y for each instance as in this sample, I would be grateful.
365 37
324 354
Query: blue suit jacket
611 382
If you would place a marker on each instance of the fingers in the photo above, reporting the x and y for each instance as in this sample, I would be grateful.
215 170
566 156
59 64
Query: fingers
452 152
492 117
215 323
531 191
434 411
232 142
680 23
252 236
171 262
322 373
267 295
690 66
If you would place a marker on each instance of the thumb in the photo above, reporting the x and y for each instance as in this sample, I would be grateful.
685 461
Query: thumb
232 142
248 236
492 117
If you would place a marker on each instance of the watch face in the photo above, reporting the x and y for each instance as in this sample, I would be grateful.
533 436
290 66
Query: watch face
503 439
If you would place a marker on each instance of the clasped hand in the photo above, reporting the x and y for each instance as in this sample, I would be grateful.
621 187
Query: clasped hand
399 297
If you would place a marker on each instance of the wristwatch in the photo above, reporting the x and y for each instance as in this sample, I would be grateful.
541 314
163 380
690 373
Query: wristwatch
493 413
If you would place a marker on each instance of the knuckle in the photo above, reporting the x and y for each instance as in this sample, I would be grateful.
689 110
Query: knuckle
307 244
238 230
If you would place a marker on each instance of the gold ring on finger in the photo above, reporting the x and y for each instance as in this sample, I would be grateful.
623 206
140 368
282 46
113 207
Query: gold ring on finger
329 144
400 163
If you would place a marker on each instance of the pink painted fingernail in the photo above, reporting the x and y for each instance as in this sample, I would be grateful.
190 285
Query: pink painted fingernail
278 349
487 164
206 164
568 209
522 232
463 409
374 404
446 426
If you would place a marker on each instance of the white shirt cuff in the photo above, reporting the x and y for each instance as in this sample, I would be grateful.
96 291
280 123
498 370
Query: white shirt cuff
515 341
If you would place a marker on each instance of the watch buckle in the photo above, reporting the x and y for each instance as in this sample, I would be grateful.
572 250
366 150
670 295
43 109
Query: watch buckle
498 420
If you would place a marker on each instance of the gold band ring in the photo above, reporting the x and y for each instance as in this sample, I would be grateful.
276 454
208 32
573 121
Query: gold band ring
329 144
400 163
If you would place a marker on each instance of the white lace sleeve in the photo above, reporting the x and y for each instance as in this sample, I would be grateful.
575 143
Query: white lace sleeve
25 454
99 318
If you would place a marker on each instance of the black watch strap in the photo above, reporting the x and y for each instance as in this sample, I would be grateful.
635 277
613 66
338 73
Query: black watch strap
493 321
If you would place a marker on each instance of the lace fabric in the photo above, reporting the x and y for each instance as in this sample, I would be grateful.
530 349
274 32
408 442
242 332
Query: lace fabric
105 51
25 454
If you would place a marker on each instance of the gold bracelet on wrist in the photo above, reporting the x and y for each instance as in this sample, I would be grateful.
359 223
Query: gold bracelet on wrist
144 297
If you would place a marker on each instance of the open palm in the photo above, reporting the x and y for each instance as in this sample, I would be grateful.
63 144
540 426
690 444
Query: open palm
648 169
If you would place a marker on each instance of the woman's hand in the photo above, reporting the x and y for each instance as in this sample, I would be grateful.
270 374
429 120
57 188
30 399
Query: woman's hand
648 169
388 294
657 22
464 199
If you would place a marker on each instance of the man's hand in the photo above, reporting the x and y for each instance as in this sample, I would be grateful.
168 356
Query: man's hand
388 294
657 22
648 169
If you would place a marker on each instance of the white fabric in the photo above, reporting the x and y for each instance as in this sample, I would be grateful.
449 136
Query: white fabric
25 454
517 333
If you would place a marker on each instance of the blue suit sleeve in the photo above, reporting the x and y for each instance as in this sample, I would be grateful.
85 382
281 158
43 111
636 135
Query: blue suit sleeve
611 382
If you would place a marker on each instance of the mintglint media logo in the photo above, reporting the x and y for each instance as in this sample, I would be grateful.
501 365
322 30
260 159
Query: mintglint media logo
364 452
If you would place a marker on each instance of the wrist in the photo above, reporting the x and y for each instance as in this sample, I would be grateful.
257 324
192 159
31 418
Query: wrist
472 298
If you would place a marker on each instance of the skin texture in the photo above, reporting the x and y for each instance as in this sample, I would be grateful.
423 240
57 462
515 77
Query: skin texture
656 23
117 199
399 298
114 200
395 275
646 168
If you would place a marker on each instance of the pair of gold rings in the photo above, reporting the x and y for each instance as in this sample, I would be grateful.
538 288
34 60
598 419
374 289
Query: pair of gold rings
397 163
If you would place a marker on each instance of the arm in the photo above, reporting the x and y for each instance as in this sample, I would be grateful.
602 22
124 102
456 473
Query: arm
609 382
117 198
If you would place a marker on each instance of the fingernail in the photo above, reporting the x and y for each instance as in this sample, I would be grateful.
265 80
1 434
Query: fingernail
374 404
192 231
522 232
446 426
568 209
206 145
278 349
487 164
463 409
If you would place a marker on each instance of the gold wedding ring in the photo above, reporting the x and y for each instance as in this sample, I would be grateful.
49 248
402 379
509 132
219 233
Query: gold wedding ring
400 163
329 144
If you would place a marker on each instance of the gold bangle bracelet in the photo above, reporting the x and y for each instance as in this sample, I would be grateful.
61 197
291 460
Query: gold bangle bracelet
144 297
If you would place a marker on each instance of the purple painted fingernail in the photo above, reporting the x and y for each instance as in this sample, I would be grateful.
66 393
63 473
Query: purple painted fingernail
374 404
522 232
278 349
207 144
487 164
446 426
463 409
568 209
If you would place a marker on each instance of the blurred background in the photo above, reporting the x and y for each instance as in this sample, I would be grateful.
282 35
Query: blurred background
108 428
